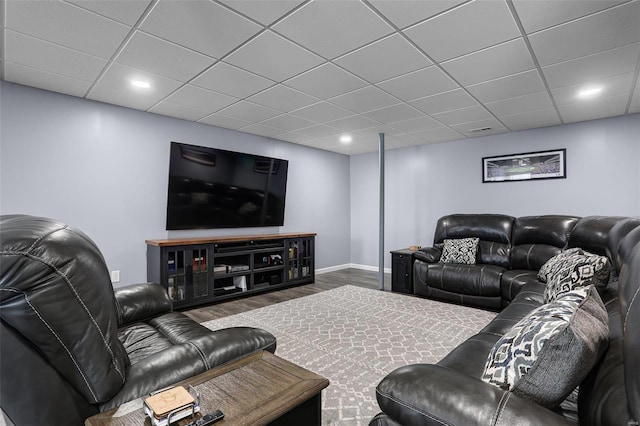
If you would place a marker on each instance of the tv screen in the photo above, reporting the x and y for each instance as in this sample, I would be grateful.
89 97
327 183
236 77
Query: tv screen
215 188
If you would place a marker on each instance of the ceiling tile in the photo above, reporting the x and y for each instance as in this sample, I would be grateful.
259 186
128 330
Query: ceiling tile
220 120
611 86
384 59
508 87
520 104
288 122
406 12
593 67
273 57
119 77
364 100
326 81
582 111
149 53
317 131
248 111
536 17
204 26
473 17
201 99
33 77
418 84
446 101
331 28
531 119
283 98
605 30
50 57
179 111
488 64
125 11
265 12
463 115
475 129
135 99
230 80
353 123
401 141
440 134
64 23
322 112
394 113
373 133
417 124
261 130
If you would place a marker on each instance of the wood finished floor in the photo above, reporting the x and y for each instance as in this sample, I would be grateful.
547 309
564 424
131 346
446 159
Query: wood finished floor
324 282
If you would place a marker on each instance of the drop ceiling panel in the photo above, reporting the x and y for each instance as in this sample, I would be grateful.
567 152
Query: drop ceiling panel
611 86
317 131
353 123
417 124
511 86
127 98
440 134
230 80
403 13
531 119
322 112
326 81
201 99
60 23
248 111
451 41
126 11
179 111
273 57
513 57
364 100
288 122
604 30
394 113
446 101
475 128
224 121
581 111
52 58
34 77
331 28
520 104
204 26
261 129
152 54
283 98
119 77
384 59
265 12
418 84
593 67
463 115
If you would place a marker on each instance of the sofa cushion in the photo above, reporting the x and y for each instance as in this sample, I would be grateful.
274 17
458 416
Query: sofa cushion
461 250
573 268
550 351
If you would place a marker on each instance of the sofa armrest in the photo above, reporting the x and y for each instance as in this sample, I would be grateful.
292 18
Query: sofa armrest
428 254
139 302
426 394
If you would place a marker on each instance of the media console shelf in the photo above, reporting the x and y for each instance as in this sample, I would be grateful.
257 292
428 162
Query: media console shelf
202 270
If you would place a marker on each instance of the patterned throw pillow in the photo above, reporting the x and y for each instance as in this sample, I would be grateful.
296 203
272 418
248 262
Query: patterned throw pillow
571 269
551 350
462 250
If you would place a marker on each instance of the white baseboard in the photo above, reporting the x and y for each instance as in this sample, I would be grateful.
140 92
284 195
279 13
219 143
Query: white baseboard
351 265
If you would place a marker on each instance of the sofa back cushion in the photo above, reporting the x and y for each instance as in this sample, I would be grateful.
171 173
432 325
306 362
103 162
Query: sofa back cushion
55 291
492 230
537 239
618 245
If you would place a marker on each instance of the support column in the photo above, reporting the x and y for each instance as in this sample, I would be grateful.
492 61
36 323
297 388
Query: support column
381 230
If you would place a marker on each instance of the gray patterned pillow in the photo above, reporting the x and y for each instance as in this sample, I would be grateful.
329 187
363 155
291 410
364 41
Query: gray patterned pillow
571 269
551 350
461 250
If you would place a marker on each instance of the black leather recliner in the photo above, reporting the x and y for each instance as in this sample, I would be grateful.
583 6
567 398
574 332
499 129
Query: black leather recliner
71 346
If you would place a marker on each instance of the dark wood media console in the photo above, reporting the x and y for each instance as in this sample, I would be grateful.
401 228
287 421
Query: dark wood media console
202 270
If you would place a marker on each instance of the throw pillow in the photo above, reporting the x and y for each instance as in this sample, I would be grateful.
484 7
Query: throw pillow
550 351
461 250
573 268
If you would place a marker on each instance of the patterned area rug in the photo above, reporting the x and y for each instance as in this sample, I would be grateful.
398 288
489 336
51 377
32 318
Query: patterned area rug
355 336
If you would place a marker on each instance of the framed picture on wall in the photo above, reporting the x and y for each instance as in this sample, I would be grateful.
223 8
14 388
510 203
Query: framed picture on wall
526 166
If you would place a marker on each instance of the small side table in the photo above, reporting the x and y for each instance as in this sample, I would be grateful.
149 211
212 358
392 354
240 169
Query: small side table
402 271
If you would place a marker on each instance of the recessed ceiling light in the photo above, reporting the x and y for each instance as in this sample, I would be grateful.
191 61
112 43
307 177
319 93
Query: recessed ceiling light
345 139
140 84
589 92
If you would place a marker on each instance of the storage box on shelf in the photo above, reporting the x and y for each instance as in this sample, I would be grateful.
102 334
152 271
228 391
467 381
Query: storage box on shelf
203 270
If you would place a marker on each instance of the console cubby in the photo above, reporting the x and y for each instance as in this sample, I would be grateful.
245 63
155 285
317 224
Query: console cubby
205 270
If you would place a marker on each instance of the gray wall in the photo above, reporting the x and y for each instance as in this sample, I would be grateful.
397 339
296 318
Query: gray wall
104 169
430 181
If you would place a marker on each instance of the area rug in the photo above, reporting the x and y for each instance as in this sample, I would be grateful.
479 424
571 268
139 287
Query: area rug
355 336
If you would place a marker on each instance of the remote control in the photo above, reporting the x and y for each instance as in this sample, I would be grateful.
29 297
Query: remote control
208 419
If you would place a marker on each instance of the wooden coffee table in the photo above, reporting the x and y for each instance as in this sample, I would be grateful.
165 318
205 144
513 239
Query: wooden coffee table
259 389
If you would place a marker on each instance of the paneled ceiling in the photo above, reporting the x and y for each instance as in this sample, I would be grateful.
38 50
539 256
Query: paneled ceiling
311 72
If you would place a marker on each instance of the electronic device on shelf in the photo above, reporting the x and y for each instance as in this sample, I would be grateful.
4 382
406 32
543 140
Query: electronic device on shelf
169 405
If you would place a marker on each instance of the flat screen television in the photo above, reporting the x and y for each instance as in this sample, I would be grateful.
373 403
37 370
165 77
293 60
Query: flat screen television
215 188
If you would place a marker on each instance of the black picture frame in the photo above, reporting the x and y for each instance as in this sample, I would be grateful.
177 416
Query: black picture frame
550 164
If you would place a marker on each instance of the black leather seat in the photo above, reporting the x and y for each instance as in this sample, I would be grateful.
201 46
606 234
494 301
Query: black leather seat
71 346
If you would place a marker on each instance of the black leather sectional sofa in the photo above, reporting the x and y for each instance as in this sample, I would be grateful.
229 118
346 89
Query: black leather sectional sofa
510 252
71 347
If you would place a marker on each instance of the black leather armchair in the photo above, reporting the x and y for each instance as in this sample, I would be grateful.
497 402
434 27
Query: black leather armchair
71 346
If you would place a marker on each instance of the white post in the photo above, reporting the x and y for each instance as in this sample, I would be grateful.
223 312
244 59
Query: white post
381 239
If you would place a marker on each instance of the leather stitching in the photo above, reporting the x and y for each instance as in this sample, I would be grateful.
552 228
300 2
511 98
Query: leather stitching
204 358
626 315
417 410
500 408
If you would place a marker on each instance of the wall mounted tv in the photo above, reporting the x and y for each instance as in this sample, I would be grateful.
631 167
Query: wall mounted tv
215 188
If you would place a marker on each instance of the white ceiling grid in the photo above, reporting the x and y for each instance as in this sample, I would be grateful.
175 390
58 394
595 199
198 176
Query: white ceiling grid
308 71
